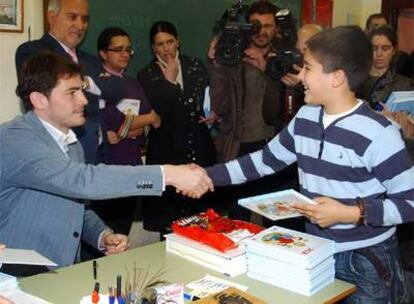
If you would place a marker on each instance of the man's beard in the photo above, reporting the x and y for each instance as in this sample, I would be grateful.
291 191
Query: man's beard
261 45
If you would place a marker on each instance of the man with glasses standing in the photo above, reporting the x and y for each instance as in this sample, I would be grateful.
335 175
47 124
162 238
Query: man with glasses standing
126 113
68 22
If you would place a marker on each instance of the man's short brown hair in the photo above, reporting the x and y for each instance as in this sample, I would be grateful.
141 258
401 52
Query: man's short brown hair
41 73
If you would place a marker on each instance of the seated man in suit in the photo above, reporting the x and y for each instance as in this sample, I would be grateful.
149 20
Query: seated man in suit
43 178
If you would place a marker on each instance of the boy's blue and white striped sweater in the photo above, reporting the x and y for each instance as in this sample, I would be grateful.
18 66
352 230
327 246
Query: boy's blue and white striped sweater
358 155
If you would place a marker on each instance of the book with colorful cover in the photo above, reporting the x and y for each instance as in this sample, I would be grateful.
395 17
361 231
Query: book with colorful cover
291 246
276 205
230 295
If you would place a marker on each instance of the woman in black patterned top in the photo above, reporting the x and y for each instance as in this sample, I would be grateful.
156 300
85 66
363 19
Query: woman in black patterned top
175 86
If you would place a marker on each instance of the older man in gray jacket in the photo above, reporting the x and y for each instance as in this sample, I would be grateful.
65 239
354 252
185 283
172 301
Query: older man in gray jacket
43 178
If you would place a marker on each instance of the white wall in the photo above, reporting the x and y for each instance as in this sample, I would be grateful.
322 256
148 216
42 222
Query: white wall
347 12
9 41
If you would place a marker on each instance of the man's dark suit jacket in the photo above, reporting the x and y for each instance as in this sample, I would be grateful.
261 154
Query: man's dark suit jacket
88 134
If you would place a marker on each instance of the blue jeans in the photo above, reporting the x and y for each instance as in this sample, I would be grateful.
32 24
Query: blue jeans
375 270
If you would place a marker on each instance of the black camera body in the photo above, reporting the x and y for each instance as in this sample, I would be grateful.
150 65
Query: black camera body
282 63
233 31
286 53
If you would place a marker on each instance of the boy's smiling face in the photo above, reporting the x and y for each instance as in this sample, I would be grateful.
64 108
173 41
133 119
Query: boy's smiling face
317 83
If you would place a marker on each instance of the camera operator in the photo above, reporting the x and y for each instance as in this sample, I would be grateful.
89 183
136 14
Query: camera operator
304 34
294 89
249 104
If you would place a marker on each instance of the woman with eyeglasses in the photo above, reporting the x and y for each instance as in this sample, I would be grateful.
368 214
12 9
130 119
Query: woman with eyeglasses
126 112
175 86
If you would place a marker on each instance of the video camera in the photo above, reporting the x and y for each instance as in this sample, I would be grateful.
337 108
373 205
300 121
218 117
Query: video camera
286 55
233 31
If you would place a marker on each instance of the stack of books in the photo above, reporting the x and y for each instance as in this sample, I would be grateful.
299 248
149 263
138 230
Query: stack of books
10 289
7 282
231 263
292 260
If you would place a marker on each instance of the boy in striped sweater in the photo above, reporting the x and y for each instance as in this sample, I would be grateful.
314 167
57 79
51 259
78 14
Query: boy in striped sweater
351 161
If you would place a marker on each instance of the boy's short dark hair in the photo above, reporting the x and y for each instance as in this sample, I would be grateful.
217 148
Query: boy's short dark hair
344 48
41 73
262 7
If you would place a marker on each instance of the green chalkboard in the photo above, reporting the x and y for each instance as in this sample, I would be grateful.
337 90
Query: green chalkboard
194 20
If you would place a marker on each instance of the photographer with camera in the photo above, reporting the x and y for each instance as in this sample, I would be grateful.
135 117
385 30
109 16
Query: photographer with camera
304 34
294 90
248 102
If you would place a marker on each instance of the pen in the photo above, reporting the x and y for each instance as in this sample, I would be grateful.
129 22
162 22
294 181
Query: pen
121 300
95 270
111 297
189 297
118 286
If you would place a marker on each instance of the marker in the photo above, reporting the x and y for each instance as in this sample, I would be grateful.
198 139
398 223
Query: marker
95 270
121 300
111 297
118 286
189 297
95 293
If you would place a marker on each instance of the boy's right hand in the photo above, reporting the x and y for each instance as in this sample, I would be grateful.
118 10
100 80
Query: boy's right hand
328 212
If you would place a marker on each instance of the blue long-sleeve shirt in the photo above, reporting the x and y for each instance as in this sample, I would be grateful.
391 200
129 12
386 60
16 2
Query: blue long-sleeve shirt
359 155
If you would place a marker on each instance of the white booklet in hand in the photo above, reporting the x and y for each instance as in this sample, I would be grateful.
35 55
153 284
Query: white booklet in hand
276 205
402 101
129 106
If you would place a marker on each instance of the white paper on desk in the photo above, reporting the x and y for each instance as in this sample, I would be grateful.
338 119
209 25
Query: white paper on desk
209 285
21 297
24 256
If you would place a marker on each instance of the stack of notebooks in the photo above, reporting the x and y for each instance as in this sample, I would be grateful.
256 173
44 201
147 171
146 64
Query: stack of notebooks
9 288
231 262
292 260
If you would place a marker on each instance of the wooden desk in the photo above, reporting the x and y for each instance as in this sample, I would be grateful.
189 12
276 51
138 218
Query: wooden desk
70 284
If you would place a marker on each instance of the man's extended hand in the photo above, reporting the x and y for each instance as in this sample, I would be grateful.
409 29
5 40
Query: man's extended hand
190 180
114 243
